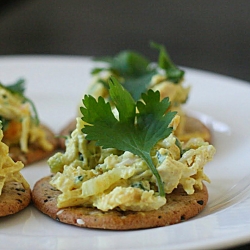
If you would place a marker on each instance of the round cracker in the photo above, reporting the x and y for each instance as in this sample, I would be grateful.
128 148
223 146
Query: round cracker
35 153
14 198
179 207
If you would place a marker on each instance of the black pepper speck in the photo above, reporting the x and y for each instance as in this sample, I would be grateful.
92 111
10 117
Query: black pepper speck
182 217
201 202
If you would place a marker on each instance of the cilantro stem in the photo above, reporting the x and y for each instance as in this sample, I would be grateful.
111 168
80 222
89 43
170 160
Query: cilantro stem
146 156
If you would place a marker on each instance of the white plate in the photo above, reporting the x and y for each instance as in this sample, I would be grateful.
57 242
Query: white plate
56 85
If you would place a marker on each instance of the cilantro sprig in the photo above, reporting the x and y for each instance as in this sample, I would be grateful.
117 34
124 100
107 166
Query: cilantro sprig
136 132
132 66
137 70
174 74
16 88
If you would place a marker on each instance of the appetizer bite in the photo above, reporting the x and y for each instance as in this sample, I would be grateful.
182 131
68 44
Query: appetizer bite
124 168
137 74
15 193
28 140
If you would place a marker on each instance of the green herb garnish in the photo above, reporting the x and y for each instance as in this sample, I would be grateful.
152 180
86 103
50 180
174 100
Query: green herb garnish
4 123
137 70
132 67
134 132
138 185
174 74
127 63
18 88
79 179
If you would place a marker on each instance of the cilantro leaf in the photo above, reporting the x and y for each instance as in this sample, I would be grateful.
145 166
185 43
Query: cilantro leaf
138 85
174 74
123 101
151 117
127 64
134 132
132 67
17 88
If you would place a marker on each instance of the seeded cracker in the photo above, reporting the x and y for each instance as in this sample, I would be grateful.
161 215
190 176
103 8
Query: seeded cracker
179 207
14 198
